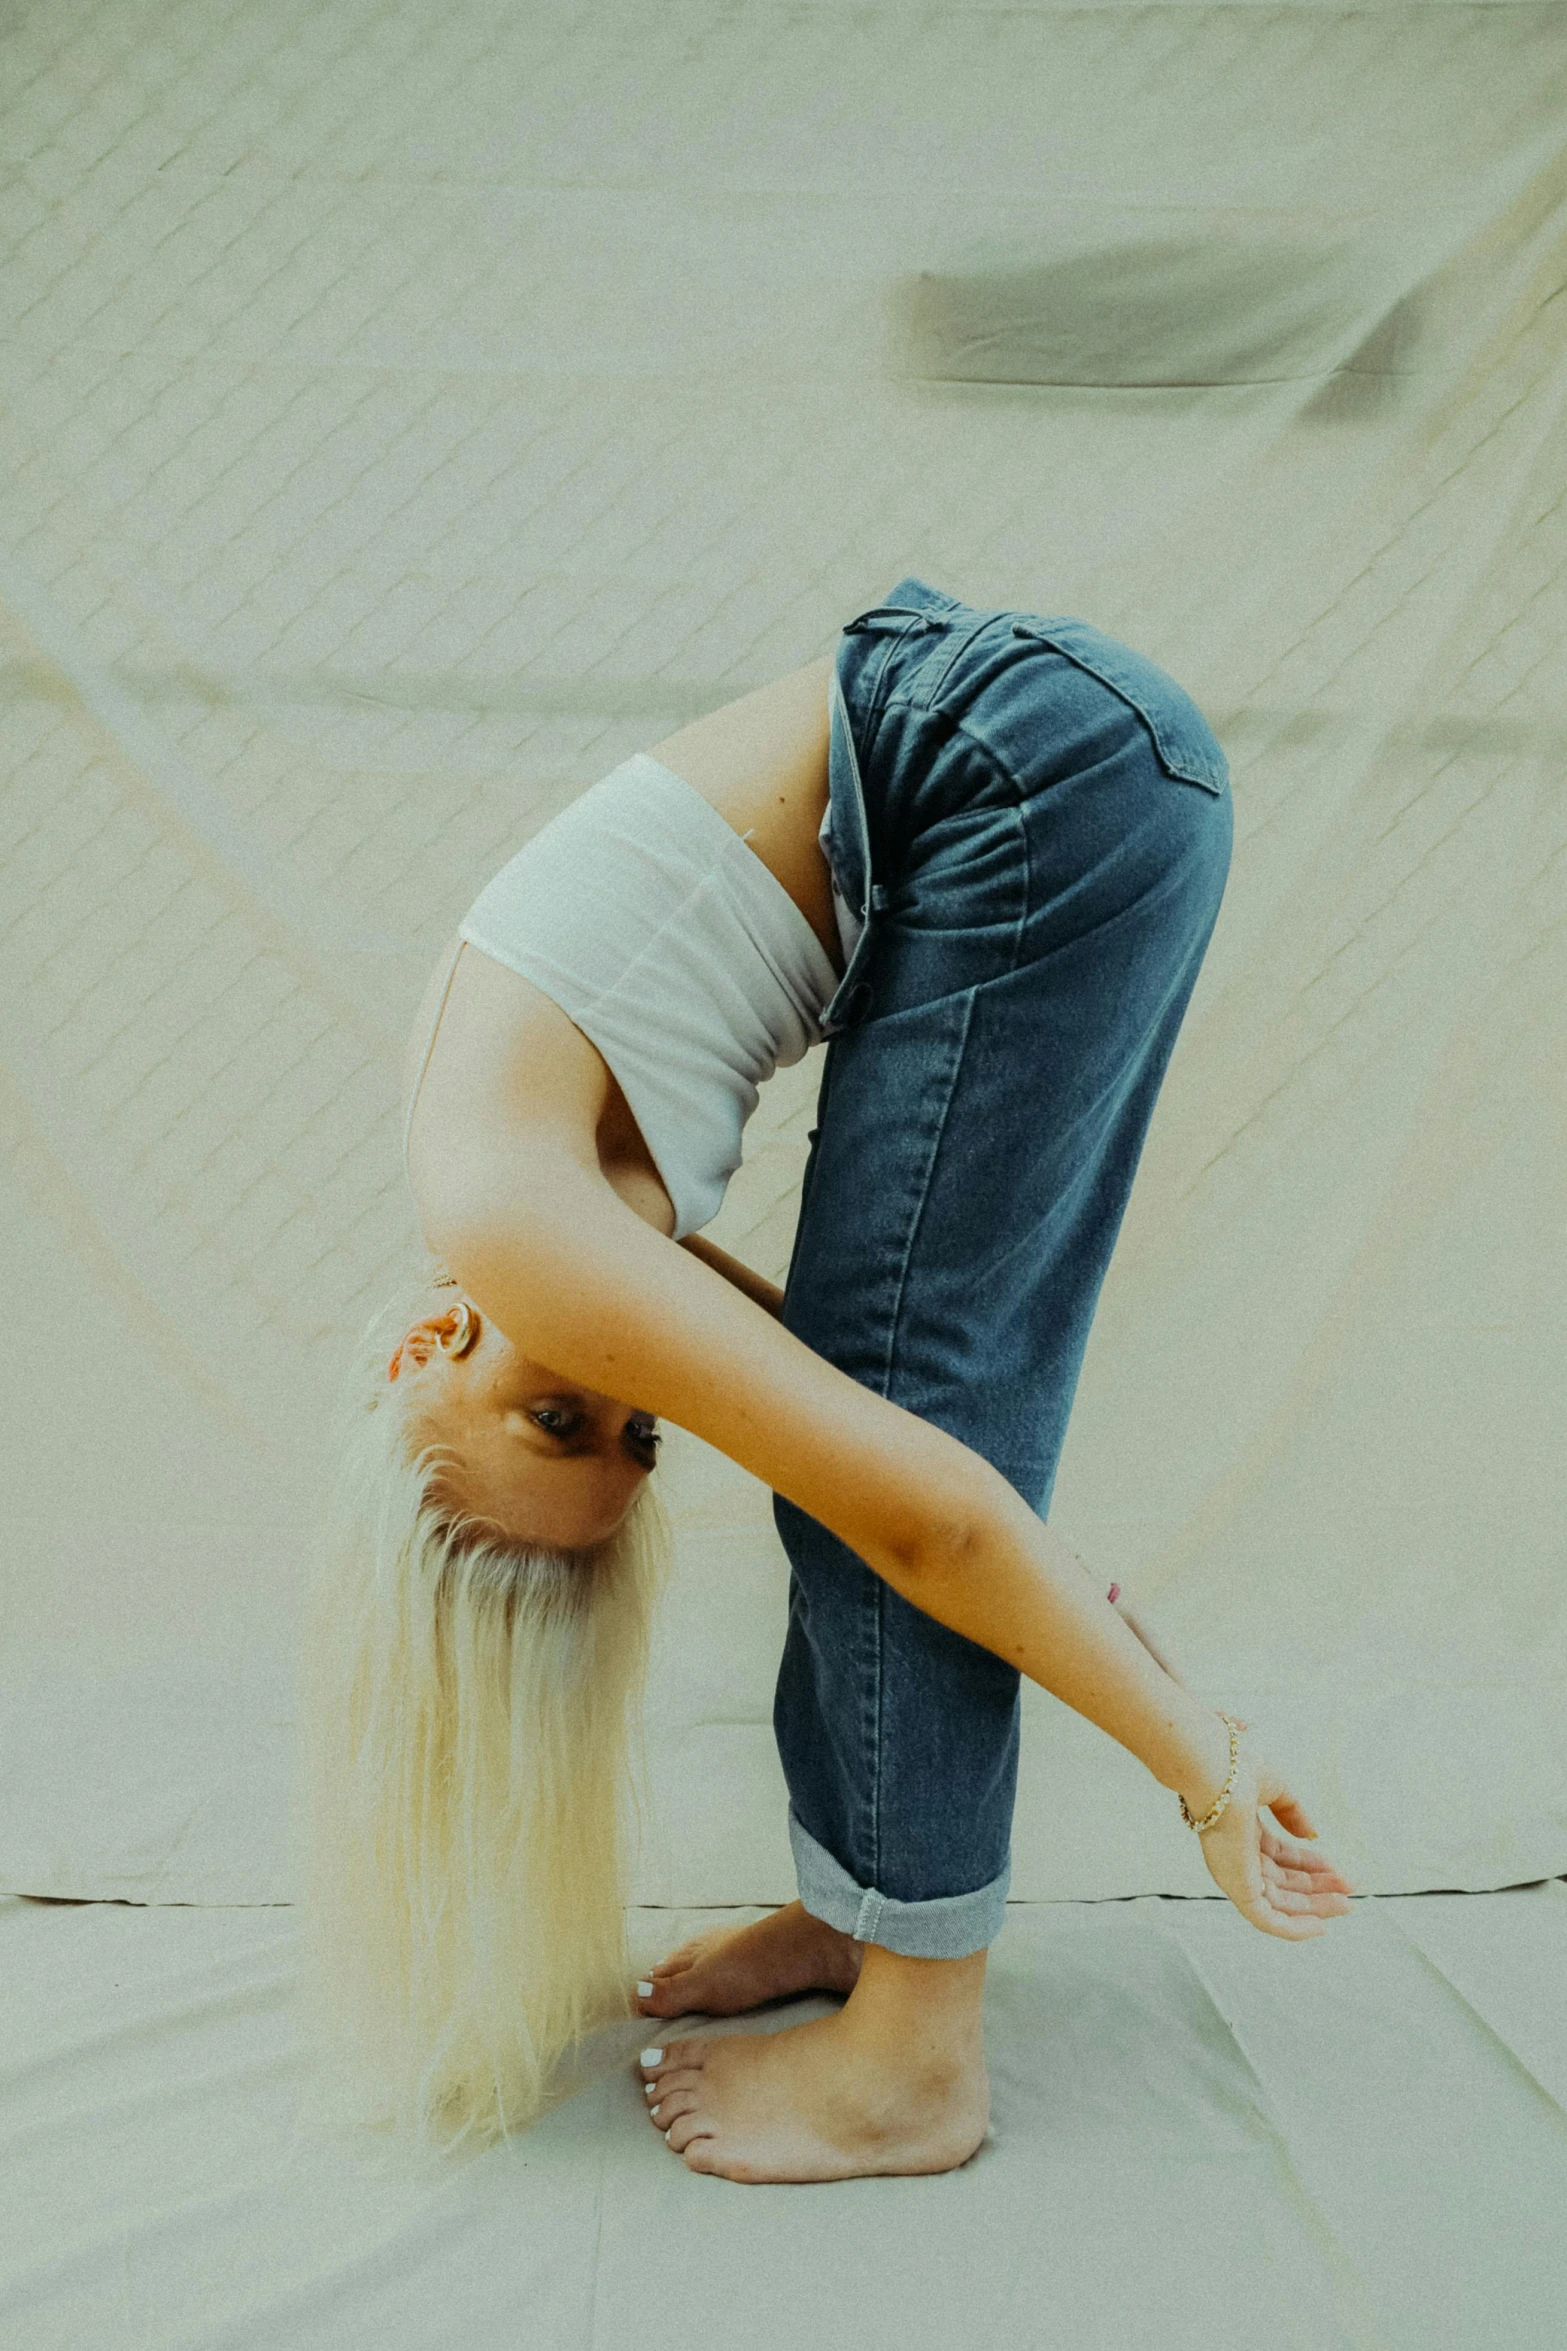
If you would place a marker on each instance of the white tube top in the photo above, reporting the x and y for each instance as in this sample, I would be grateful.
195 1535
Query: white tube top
667 941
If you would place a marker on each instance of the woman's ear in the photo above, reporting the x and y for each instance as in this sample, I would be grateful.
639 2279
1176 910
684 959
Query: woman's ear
456 1332
459 1330
414 1347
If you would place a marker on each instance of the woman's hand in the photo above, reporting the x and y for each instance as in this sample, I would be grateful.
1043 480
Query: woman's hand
1280 1886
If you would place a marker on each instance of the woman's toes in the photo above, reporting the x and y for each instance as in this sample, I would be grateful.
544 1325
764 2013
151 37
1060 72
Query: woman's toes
664 2111
657 2062
653 1983
670 2086
686 2078
686 2128
676 1962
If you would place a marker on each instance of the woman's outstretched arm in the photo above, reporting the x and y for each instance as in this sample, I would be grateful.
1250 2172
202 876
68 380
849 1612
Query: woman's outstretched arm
577 1280
744 1278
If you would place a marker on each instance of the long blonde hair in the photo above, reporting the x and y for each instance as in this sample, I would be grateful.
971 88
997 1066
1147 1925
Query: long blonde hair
472 1724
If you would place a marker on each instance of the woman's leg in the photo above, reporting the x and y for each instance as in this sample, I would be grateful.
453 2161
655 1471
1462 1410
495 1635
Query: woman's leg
1048 828
1051 881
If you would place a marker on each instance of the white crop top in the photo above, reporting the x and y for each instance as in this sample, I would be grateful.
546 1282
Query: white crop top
643 914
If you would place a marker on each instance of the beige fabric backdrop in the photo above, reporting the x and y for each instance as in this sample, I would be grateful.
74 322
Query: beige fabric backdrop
411 412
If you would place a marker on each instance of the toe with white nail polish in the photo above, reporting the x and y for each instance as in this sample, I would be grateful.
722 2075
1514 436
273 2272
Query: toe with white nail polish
644 1991
651 2057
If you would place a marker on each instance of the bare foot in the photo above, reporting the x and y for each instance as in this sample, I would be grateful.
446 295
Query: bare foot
822 2101
733 1968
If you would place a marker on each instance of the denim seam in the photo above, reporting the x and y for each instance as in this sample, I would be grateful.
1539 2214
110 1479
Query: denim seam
919 1213
962 638
823 1096
868 690
1026 899
871 700
888 640
871 1723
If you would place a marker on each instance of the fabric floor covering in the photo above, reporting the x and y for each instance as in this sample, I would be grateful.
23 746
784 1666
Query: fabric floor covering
1199 2135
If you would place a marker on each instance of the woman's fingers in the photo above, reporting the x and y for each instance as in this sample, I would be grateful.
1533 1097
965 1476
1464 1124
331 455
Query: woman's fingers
1283 1896
1298 1905
1301 1890
1291 1930
1286 1849
1298 1900
1283 1911
1304 1881
1294 1903
1269 1908
1320 1901
1300 1857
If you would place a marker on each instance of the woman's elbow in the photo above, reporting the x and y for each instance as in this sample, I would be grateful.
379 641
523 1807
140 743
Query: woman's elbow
957 1531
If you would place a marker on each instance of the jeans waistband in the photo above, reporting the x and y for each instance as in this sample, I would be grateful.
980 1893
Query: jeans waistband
913 598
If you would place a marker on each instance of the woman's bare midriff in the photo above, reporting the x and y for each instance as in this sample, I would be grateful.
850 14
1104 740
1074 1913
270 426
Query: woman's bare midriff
761 763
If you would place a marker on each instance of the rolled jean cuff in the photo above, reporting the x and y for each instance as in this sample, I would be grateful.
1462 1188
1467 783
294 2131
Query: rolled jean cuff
950 1927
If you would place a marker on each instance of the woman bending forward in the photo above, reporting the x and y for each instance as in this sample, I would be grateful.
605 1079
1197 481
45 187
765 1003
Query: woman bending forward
982 853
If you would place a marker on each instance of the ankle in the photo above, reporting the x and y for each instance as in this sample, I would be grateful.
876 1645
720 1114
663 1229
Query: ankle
831 1938
931 2011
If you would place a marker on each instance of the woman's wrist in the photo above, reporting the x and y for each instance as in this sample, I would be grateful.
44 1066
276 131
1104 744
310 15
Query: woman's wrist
1199 1759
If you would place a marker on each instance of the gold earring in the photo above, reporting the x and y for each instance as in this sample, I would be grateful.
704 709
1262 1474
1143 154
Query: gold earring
466 1335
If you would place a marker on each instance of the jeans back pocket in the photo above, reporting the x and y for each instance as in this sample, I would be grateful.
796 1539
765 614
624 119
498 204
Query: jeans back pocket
1185 742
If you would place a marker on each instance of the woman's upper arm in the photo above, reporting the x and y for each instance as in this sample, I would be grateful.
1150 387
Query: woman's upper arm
580 1282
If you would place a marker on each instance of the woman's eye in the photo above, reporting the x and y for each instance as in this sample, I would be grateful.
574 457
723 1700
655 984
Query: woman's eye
554 1422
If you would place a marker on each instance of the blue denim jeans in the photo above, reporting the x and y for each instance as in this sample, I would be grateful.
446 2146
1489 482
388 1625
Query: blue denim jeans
1035 823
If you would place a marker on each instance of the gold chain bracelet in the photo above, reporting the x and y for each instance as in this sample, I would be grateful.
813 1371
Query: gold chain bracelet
1223 1797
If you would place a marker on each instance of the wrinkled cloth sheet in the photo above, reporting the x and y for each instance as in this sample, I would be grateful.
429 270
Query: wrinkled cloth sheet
1361 2141
408 415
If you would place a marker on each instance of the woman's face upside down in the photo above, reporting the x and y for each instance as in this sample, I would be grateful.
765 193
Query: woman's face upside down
546 1460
